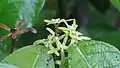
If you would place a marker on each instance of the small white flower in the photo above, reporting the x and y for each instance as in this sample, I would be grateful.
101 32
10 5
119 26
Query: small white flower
52 21
53 50
61 37
69 31
39 41
60 46
55 20
51 31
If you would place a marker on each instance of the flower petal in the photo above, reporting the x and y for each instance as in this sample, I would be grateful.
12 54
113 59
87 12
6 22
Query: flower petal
51 31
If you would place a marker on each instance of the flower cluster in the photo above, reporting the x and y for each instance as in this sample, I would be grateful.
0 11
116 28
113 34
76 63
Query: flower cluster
69 31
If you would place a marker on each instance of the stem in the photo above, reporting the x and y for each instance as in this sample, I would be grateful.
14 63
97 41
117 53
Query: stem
62 59
12 45
56 28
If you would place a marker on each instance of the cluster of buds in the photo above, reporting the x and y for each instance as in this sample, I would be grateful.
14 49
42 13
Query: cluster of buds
69 31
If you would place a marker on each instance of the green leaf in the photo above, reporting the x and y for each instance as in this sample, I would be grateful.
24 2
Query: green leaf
95 54
31 57
7 66
13 10
64 63
116 3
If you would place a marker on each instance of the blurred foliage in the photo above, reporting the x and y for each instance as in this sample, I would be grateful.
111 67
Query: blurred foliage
116 3
12 11
98 19
101 5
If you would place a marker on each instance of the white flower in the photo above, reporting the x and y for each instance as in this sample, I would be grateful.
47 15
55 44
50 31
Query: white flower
52 21
69 31
39 41
53 50
51 31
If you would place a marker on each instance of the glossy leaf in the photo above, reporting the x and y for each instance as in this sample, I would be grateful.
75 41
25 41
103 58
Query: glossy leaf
116 3
7 66
31 57
97 54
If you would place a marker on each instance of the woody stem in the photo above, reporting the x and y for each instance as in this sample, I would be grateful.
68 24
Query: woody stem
12 45
56 28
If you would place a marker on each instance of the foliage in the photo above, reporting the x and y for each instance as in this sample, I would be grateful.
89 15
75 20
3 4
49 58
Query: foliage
116 3
63 46
82 51
31 57
95 52
11 11
16 10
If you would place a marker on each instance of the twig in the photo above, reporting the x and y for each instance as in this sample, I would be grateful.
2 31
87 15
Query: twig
12 45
